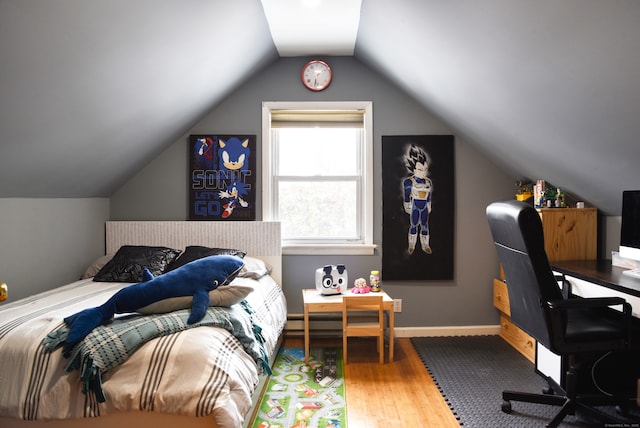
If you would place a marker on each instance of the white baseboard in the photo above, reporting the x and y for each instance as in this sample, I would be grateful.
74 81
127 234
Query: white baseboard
464 330
331 323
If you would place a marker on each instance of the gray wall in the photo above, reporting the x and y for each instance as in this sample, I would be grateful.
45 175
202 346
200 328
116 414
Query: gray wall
48 242
159 191
610 235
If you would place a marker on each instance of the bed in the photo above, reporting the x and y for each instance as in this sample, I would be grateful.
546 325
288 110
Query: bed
200 376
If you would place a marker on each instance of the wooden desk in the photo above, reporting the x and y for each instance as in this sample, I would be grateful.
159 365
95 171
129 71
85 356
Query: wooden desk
315 302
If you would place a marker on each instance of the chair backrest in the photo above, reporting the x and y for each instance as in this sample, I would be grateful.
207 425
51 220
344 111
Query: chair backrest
518 237
367 303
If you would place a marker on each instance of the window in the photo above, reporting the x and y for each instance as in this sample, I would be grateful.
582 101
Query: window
317 175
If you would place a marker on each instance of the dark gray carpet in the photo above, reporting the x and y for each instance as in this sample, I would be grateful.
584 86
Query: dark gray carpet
471 373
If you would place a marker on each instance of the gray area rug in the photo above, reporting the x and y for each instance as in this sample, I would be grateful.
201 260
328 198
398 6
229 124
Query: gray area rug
471 373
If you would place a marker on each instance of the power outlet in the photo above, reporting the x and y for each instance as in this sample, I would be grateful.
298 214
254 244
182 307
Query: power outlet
397 305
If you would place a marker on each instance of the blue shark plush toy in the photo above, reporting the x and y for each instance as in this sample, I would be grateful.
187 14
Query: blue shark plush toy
195 279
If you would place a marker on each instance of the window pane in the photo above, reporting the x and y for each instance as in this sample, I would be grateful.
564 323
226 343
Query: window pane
318 209
318 151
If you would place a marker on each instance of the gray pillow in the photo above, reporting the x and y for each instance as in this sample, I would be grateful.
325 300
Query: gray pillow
225 295
96 265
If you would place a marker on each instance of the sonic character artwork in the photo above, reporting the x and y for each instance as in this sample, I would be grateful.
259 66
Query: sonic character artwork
233 155
222 175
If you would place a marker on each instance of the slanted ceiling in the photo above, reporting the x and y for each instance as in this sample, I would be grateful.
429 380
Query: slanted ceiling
91 90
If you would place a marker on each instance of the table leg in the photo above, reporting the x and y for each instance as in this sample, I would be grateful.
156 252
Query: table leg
306 333
391 339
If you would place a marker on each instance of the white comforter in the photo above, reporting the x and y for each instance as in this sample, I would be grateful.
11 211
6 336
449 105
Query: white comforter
202 371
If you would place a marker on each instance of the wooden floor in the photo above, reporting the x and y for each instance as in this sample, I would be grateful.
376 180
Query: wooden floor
397 394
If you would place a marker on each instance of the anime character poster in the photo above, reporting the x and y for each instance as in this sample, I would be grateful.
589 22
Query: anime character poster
222 177
418 207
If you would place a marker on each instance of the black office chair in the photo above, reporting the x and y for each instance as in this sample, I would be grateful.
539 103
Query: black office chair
571 327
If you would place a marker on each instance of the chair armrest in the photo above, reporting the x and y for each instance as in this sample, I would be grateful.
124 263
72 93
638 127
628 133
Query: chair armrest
558 307
566 285
588 302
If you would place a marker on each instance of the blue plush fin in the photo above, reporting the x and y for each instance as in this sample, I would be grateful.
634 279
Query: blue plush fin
199 305
147 275
82 323
71 318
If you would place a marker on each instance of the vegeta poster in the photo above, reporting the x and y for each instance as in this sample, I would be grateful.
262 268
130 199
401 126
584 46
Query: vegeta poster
222 181
417 207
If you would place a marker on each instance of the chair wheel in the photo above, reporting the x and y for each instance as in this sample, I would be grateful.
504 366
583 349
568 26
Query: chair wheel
548 390
622 410
506 406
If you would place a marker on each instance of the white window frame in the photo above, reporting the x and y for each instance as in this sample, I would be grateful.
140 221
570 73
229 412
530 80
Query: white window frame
366 247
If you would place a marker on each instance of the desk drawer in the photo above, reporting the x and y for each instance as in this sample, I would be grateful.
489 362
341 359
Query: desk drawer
501 296
517 338
325 307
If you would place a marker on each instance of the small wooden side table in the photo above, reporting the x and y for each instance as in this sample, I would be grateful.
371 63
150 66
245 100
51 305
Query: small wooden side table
315 302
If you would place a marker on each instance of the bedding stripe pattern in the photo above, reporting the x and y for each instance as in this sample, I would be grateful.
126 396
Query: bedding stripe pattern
108 346
202 371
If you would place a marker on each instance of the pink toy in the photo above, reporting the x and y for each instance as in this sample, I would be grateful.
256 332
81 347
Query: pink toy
360 286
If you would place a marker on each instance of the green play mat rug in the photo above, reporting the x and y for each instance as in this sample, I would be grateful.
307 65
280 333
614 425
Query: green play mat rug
304 395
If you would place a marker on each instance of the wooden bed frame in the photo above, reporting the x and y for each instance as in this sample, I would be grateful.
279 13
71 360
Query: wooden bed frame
258 239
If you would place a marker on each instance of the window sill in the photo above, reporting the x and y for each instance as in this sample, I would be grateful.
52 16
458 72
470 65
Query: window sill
329 249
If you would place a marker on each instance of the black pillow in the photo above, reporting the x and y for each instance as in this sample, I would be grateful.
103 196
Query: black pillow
195 252
130 260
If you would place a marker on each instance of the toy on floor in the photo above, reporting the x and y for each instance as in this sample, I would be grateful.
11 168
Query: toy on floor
196 279
360 286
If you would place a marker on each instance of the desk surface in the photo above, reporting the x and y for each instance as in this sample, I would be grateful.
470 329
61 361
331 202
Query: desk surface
313 296
600 272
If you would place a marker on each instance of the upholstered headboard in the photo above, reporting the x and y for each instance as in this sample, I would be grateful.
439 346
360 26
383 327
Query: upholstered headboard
258 238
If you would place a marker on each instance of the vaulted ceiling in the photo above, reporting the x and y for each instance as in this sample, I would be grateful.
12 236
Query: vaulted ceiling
544 88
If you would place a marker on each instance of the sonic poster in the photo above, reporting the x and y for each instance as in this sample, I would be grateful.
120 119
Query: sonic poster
222 177
417 207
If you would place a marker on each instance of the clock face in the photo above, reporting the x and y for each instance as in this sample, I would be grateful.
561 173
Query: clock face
316 75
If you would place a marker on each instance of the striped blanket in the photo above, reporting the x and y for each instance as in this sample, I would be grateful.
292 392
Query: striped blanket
195 372
108 346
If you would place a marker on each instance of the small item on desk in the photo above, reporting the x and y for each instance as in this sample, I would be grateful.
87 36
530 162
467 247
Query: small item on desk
560 199
374 281
538 194
4 291
623 262
634 273
360 286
